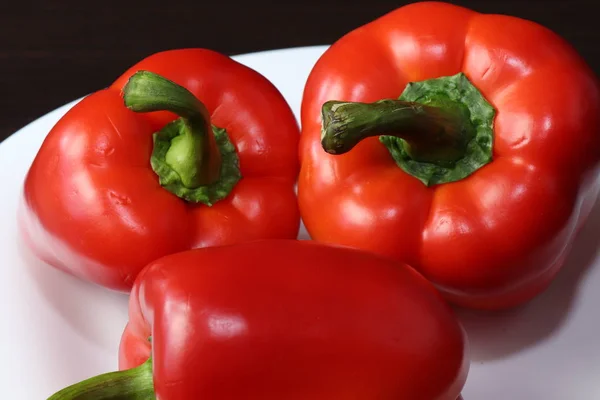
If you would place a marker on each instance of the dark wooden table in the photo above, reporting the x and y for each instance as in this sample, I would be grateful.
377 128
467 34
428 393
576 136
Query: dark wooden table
52 52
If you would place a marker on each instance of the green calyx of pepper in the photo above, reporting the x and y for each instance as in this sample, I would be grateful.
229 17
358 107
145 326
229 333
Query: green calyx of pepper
132 384
193 159
439 130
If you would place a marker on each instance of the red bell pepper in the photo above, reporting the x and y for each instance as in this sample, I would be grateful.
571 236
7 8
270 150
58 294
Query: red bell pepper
465 144
283 319
121 181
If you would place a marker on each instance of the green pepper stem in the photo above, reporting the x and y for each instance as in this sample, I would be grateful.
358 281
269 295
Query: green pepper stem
439 131
432 134
193 153
132 384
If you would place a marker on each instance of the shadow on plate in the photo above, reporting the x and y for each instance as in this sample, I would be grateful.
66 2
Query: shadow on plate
91 311
498 335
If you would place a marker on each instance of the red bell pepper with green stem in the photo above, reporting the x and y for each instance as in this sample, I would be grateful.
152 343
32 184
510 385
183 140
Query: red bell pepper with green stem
465 144
283 319
188 148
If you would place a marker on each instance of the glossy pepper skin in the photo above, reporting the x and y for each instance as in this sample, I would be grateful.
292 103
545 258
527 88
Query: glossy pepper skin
279 319
92 203
497 237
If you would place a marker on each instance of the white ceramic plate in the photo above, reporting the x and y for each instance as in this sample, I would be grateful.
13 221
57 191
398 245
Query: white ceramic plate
56 330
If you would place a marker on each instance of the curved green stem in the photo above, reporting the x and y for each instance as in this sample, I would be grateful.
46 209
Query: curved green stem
432 134
193 154
193 159
439 130
132 384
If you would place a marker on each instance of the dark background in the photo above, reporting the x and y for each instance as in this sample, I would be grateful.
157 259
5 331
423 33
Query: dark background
54 51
